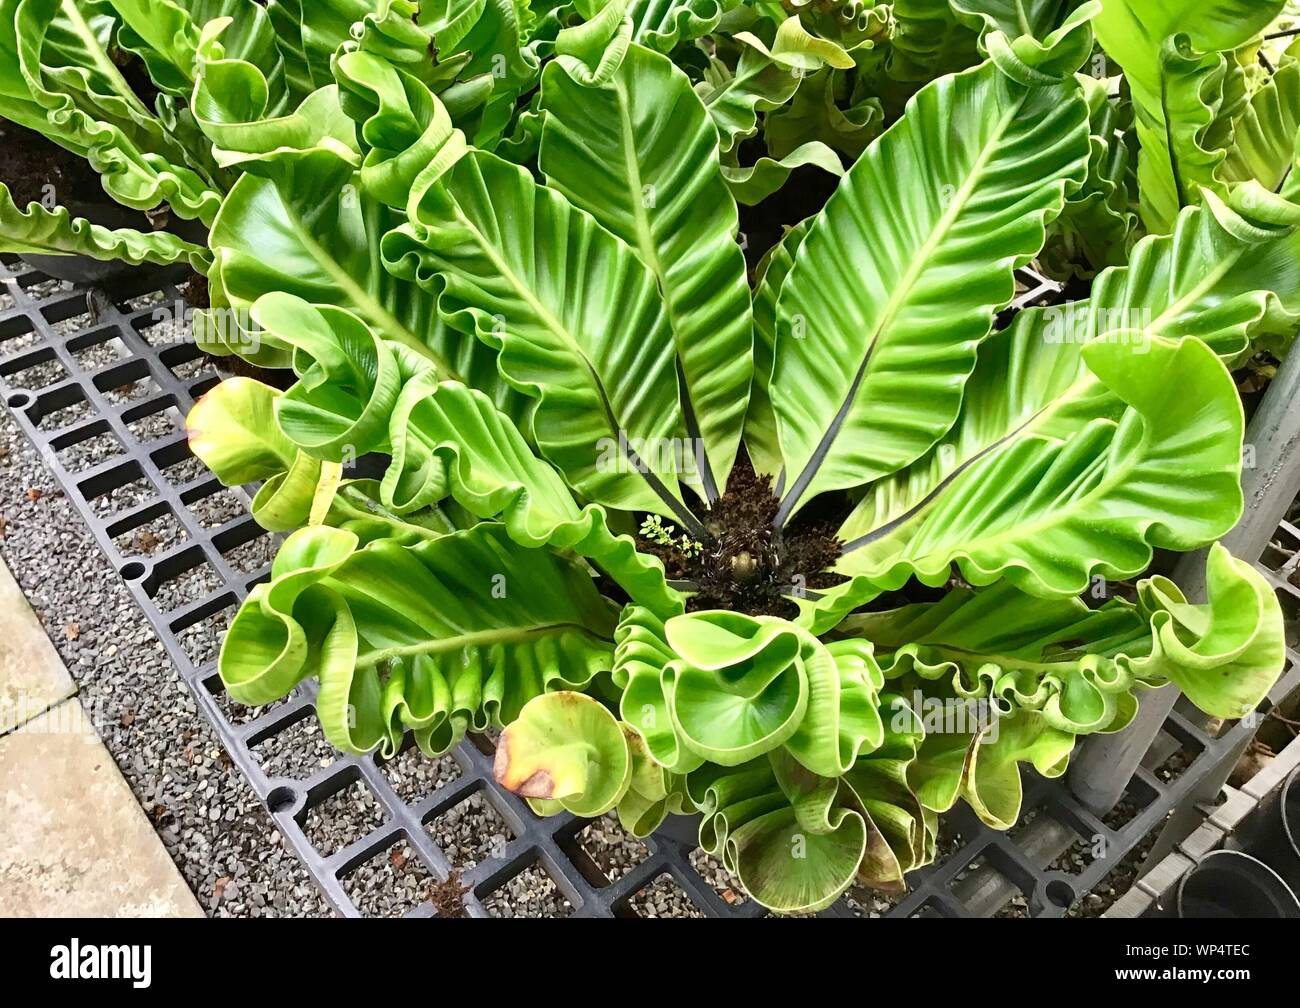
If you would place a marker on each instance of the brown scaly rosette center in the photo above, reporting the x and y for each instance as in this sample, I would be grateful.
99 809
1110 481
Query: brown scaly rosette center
746 565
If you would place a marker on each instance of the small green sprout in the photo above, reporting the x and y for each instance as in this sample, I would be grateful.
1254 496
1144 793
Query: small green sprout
654 530
689 547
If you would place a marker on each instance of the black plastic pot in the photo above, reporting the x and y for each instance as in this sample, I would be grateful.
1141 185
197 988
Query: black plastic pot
81 269
1230 884
1272 832
682 828
84 269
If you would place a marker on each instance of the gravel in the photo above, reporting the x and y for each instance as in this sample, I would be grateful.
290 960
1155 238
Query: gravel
390 884
725 884
531 893
470 832
613 850
207 816
869 902
343 818
1117 881
414 776
663 897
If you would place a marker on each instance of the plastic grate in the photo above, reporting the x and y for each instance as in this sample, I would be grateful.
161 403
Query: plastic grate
81 367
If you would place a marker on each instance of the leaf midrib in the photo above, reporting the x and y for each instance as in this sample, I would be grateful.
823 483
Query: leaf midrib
946 220
1023 17
1024 431
895 303
478 638
1211 278
1168 127
124 91
561 332
1029 427
369 305
1056 516
649 252
557 328
99 58
640 219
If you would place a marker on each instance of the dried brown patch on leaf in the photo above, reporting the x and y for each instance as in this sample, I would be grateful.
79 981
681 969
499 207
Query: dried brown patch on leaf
538 783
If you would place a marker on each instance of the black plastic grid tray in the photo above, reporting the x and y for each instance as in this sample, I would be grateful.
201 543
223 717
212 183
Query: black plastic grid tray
61 396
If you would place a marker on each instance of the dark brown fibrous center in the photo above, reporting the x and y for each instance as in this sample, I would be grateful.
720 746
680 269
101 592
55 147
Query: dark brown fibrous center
746 565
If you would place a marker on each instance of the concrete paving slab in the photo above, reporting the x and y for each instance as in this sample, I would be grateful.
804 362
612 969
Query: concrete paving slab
32 676
73 840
